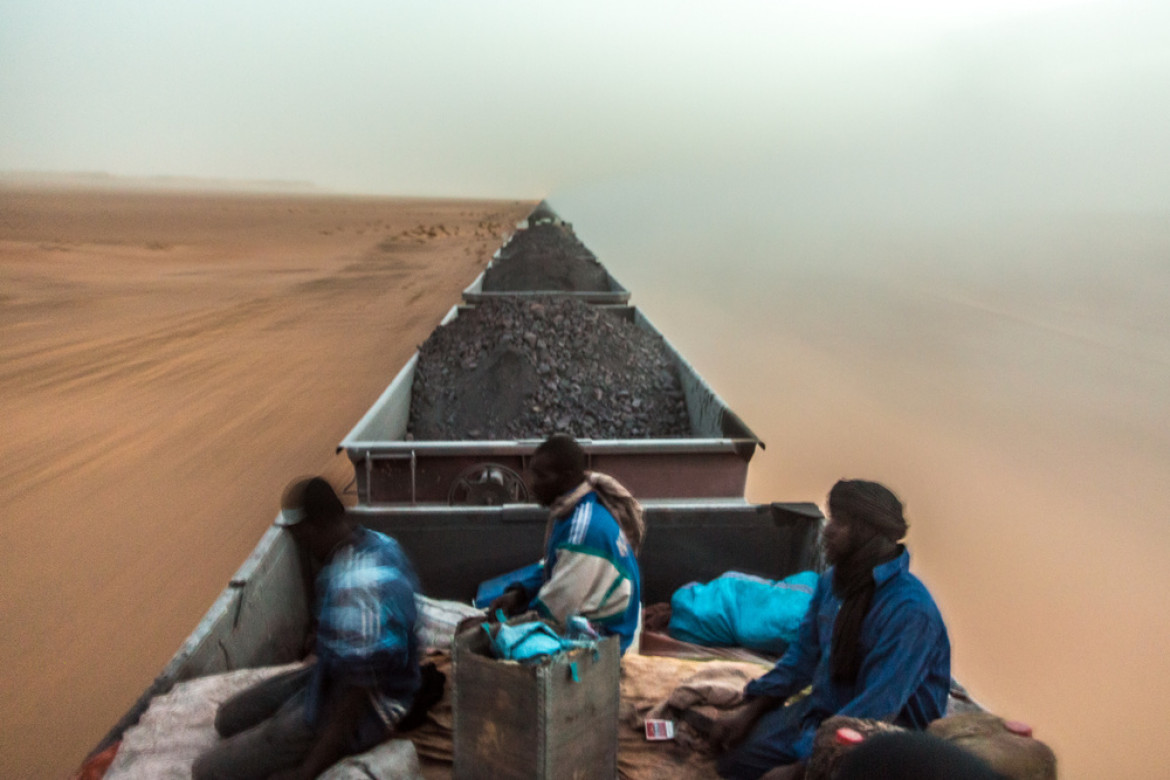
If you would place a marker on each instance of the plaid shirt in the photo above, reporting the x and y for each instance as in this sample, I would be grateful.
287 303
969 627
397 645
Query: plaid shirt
366 625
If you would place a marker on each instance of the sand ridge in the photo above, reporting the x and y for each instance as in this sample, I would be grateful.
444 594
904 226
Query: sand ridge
168 361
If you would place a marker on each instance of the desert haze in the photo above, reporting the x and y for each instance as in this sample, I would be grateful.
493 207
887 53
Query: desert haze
169 360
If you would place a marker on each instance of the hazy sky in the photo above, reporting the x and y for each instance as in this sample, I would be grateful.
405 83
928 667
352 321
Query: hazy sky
992 98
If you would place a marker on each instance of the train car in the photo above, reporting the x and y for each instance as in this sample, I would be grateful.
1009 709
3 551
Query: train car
392 467
581 277
261 617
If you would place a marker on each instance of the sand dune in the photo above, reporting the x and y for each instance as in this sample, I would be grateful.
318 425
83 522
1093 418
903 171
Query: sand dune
168 361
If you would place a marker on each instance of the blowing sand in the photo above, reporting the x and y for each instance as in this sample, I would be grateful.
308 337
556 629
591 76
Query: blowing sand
168 362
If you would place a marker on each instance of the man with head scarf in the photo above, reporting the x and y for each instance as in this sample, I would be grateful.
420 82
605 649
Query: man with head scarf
872 645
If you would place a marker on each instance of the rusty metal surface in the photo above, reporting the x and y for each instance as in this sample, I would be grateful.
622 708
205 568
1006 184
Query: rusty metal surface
647 472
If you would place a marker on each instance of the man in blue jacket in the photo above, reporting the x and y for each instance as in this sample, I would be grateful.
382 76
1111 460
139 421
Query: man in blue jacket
594 531
872 645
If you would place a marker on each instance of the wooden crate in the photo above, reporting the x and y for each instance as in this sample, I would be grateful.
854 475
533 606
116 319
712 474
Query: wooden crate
534 721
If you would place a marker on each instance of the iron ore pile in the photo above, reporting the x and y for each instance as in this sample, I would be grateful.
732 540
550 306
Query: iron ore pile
512 369
546 256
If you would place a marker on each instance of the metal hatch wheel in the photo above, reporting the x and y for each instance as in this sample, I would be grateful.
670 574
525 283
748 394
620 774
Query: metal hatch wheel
488 484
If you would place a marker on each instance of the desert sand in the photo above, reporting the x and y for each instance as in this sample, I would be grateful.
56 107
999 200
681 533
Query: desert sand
169 360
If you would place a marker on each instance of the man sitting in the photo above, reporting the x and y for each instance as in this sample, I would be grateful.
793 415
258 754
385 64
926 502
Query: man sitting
872 645
366 670
594 532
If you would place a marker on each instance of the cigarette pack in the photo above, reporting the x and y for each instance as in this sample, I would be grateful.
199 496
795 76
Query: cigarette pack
657 730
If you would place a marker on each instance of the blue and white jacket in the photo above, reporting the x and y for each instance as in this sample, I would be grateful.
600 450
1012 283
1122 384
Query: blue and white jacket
590 570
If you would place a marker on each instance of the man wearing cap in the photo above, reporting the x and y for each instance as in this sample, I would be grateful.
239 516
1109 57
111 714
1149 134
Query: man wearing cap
366 672
872 645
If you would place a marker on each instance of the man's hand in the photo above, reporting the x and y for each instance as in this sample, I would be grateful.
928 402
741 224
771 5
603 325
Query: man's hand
513 602
733 728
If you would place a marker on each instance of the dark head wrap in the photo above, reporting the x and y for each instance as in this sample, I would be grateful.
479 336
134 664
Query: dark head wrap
868 503
874 515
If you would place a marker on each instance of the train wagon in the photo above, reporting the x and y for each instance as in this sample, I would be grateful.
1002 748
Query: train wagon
392 467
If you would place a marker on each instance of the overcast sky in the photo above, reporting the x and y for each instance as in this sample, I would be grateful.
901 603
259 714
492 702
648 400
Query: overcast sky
468 97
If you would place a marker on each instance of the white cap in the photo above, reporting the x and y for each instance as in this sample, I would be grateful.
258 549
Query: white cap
291 516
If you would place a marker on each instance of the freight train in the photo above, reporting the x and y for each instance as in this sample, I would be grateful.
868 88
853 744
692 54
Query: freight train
460 506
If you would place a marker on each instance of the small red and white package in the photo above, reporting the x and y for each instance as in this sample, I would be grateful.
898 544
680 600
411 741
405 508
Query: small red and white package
658 730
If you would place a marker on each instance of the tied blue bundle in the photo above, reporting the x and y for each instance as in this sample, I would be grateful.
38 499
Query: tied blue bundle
536 641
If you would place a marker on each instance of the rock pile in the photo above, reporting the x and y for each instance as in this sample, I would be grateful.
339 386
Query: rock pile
512 369
546 257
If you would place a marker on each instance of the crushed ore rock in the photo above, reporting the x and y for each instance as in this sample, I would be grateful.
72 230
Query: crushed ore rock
511 369
546 257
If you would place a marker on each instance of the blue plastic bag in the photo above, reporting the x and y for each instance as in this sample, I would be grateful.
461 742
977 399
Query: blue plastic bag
526 641
739 610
